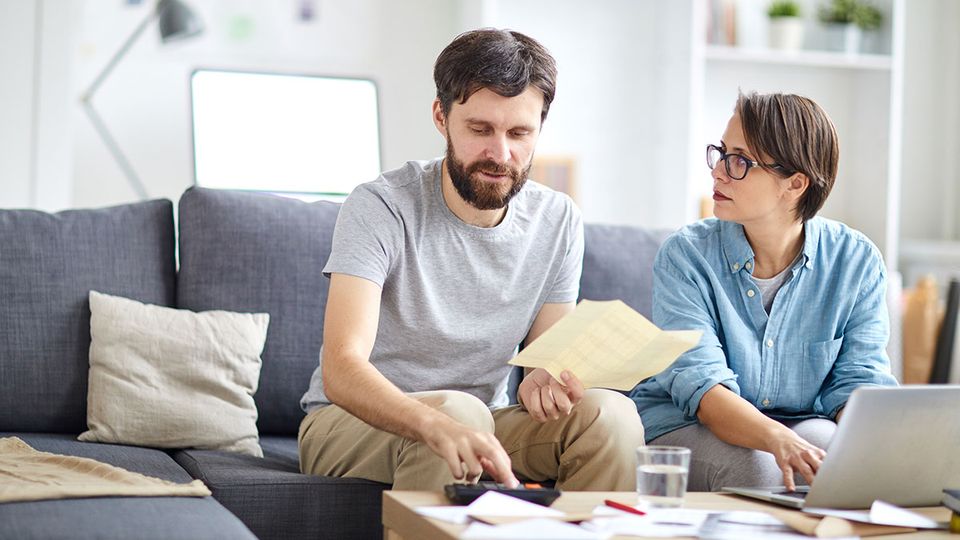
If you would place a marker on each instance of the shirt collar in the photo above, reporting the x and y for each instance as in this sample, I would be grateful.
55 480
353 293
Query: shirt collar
811 239
736 249
739 254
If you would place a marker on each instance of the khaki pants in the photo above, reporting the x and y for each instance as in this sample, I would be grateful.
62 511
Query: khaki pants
592 449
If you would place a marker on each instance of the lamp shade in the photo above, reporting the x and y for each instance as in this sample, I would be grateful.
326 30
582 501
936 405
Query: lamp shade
177 21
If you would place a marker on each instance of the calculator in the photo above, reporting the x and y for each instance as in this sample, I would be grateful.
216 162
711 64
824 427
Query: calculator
467 493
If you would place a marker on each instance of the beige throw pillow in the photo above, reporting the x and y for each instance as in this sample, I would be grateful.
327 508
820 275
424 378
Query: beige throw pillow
172 378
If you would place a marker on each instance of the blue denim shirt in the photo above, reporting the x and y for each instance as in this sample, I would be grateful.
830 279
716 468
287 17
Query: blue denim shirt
826 333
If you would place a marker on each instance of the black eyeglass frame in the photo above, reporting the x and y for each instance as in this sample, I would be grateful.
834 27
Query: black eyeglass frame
725 157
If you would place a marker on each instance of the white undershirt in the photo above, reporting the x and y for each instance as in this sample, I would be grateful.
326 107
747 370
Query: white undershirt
769 287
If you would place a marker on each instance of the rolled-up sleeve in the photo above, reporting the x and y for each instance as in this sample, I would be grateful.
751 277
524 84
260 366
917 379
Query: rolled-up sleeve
862 359
683 300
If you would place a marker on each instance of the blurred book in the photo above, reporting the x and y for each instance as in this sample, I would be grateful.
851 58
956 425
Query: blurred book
951 499
722 22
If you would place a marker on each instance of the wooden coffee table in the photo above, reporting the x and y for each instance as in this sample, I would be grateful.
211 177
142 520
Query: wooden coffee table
400 521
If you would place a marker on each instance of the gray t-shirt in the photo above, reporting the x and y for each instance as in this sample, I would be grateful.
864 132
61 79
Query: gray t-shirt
456 299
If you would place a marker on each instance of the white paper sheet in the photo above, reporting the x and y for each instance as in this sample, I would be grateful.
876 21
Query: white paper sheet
880 513
493 503
450 514
531 529
745 525
490 504
660 523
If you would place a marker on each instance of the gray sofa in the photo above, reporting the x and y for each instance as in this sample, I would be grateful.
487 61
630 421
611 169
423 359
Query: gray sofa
239 252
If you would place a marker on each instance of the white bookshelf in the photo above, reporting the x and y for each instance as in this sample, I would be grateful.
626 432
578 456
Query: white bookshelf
818 59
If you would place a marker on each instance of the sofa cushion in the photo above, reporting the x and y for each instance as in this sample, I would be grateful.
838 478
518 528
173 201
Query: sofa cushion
118 517
48 264
260 253
277 502
122 518
172 378
618 264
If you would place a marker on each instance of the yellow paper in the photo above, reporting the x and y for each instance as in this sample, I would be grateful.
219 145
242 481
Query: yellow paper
606 345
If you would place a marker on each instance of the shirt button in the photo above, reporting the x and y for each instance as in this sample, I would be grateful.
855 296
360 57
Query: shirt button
769 343
766 403
749 265
809 264
736 266
750 293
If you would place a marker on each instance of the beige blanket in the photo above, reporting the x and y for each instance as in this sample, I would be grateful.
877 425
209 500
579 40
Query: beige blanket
29 475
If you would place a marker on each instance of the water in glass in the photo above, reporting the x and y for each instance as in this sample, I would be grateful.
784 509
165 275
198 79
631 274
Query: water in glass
662 485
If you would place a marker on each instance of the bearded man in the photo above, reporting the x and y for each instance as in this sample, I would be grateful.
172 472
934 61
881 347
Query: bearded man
438 270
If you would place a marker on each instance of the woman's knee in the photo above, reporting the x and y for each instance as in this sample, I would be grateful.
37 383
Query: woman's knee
816 431
715 464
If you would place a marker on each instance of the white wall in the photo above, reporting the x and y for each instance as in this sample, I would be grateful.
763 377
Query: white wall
616 110
145 102
931 121
36 44
17 22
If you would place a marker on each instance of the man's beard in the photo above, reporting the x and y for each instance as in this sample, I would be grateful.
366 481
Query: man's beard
481 194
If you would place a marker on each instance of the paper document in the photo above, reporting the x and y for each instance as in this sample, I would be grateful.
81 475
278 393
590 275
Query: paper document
659 523
530 529
748 525
606 345
881 513
490 504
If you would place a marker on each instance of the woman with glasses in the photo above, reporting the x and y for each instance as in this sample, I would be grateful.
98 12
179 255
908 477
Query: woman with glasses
791 305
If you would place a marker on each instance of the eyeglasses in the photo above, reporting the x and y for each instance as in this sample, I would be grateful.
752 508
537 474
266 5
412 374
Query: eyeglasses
737 166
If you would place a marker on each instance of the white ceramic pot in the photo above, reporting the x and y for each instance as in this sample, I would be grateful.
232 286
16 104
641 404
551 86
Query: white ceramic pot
786 33
843 37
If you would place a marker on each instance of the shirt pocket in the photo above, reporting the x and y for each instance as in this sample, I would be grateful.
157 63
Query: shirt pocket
818 360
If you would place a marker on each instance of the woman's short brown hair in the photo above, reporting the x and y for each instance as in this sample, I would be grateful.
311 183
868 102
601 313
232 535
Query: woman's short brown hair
503 61
796 134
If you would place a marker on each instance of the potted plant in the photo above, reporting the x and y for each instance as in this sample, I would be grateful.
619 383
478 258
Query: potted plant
786 25
846 20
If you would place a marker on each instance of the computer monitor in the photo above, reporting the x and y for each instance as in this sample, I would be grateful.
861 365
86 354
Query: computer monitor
284 133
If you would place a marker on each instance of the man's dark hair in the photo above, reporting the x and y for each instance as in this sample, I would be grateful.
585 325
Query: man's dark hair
503 61
795 133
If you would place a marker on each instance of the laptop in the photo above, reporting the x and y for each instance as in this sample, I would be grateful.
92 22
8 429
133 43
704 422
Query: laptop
897 444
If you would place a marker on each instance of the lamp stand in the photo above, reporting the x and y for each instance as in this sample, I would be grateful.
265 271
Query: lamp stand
86 100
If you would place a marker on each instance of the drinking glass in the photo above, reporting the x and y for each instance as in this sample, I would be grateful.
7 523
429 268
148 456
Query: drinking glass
662 475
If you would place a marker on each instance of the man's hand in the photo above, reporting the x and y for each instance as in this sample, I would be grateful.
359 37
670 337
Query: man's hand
468 452
794 454
547 399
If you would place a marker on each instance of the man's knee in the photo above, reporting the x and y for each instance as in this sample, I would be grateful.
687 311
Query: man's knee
611 414
460 406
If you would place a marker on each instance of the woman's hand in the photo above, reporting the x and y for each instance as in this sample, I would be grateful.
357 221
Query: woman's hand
794 455
735 421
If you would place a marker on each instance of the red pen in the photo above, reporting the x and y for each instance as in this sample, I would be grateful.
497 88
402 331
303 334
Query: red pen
624 507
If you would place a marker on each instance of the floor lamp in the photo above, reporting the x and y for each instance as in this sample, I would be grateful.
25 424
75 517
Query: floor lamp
176 21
